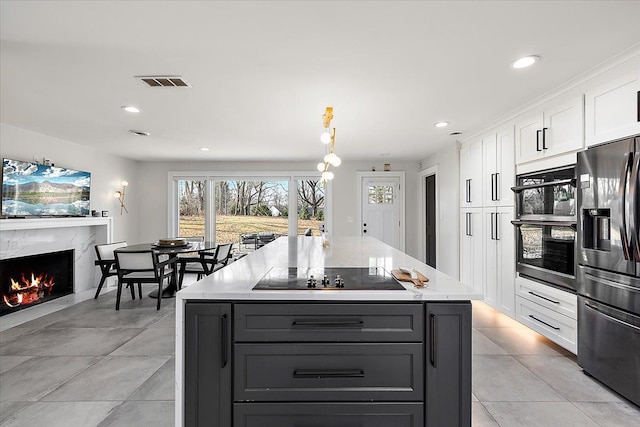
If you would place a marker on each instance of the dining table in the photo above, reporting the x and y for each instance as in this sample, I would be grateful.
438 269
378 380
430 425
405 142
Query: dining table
174 252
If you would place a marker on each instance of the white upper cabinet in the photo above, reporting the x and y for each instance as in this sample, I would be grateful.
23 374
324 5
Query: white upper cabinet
471 174
498 168
612 110
557 130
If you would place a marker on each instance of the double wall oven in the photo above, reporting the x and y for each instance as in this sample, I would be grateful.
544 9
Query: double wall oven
546 226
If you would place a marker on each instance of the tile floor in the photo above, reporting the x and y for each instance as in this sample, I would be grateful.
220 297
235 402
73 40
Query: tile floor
88 365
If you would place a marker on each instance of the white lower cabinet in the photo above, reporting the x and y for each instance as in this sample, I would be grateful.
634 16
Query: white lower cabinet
471 248
548 311
499 258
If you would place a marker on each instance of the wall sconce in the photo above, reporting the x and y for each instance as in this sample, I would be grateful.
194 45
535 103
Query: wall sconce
328 137
120 196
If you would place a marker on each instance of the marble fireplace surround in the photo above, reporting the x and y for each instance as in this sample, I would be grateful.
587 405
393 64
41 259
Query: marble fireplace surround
21 237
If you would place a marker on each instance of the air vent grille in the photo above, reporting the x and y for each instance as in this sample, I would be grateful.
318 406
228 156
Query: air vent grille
164 81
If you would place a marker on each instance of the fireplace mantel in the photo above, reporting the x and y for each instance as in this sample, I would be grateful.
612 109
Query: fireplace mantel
36 223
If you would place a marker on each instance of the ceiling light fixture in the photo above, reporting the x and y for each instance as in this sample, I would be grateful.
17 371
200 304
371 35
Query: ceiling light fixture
131 109
441 124
525 61
328 137
204 149
139 132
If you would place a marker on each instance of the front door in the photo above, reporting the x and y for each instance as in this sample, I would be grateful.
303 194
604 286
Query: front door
381 200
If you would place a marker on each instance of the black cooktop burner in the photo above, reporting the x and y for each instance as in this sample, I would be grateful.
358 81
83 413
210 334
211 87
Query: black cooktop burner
334 278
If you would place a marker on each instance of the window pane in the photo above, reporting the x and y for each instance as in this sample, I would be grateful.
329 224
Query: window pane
251 213
191 197
380 194
310 206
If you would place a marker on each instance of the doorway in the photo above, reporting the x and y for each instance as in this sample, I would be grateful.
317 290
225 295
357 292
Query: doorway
382 207
430 220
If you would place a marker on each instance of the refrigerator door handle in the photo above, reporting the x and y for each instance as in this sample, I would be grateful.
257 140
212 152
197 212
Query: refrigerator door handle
633 203
621 206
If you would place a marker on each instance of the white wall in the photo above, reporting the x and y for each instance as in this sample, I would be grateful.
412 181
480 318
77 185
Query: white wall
449 207
107 172
153 177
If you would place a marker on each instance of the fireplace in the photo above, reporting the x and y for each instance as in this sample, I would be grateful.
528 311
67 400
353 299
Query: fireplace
34 279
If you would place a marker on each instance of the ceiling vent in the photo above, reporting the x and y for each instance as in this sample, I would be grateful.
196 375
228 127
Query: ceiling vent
164 81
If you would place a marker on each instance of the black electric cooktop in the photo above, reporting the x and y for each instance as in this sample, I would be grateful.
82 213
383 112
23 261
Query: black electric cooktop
330 278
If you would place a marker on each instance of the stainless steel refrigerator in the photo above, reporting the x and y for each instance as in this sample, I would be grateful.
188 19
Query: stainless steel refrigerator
608 276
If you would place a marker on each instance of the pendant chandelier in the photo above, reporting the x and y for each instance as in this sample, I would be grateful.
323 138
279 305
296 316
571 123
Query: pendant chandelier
328 137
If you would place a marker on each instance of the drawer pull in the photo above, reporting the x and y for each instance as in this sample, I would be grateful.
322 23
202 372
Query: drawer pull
544 298
328 373
323 324
543 322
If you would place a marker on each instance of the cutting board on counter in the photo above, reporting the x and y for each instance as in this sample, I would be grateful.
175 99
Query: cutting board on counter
420 282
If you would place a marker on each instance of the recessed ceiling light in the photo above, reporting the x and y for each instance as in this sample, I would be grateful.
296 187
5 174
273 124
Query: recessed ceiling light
441 124
525 61
139 133
131 109
204 149
455 133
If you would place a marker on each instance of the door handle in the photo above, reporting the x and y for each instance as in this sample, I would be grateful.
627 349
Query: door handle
432 343
621 205
633 218
224 337
328 373
544 138
538 140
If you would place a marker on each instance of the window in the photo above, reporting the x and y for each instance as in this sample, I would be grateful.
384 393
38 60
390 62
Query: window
380 194
225 207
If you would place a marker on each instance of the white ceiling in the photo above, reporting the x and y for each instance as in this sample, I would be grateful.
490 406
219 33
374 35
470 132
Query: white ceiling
263 72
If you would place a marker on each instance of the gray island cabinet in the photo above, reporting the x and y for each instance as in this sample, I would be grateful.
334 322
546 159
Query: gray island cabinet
311 358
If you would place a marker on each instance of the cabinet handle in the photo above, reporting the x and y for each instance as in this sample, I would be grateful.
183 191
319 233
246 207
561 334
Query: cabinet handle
538 140
470 225
544 298
469 190
466 223
491 223
638 106
544 138
497 193
493 197
324 324
225 338
328 373
543 322
432 344
497 231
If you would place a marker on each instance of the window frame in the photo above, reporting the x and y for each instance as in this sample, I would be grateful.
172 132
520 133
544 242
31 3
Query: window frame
173 214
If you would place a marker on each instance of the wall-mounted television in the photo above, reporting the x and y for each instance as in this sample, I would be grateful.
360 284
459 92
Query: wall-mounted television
32 189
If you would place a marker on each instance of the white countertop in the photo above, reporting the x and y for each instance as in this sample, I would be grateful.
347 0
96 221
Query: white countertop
235 282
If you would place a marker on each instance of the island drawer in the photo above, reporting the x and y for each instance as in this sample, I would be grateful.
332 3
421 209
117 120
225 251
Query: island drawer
328 372
305 322
328 414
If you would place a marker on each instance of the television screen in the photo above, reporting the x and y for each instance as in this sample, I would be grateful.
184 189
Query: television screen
32 189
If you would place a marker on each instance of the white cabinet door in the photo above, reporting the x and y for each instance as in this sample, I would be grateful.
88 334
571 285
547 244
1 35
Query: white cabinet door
563 128
612 110
506 263
490 252
471 262
471 174
528 139
489 170
506 177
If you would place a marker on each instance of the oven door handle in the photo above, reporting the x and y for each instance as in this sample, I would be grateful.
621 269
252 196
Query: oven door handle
573 225
519 188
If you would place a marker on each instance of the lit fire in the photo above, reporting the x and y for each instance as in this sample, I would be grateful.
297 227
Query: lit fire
28 291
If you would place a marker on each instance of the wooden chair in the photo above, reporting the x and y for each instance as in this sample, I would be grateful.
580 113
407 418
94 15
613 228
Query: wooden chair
209 261
107 263
141 267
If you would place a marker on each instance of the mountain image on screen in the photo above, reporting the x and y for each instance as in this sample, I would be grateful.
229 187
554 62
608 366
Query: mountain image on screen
32 189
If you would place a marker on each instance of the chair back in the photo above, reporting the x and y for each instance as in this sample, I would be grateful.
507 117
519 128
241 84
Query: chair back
223 253
136 261
105 252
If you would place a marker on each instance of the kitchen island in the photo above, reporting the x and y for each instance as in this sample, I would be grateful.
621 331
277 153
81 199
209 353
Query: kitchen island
323 356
